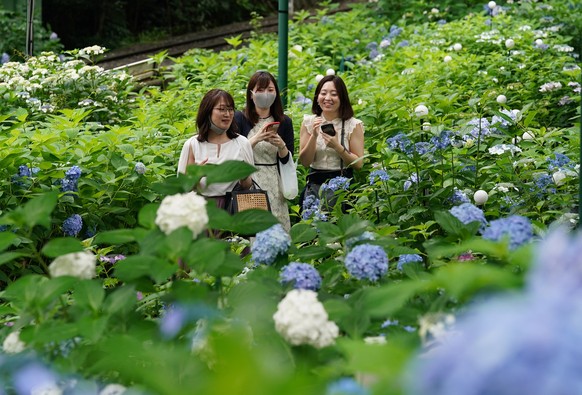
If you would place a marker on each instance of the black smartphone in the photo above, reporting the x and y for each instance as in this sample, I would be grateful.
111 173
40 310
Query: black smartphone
328 129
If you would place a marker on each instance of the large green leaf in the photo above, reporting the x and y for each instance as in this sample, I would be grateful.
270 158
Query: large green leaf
6 240
301 233
385 300
230 170
61 246
133 267
89 294
120 236
36 211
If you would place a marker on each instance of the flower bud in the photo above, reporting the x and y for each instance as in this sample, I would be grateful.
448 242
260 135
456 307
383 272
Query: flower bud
528 135
509 43
457 47
447 59
492 5
480 197
421 110
330 72
318 77
501 99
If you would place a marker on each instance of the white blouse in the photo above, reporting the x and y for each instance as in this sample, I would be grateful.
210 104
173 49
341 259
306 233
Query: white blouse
238 148
327 158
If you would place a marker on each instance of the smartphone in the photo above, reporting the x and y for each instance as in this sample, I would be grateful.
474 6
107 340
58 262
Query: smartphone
274 126
328 129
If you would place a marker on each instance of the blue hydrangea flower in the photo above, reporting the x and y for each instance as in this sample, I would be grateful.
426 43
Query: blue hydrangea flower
459 197
422 147
73 225
301 276
139 168
378 175
517 228
561 161
394 31
352 241
335 184
346 386
467 213
173 320
69 183
372 45
480 127
367 261
507 347
29 378
413 179
407 258
403 43
304 101
374 54
442 141
269 244
311 209
502 122
400 142
5 58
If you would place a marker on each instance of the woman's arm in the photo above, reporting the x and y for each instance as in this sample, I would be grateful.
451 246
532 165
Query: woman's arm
248 157
186 157
308 143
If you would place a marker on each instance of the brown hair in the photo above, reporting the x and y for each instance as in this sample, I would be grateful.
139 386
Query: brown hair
345 108
261 80
210 99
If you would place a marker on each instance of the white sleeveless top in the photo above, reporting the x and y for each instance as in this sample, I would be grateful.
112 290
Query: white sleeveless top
327 158
238 148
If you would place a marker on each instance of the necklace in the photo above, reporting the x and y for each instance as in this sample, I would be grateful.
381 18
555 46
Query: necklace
268 116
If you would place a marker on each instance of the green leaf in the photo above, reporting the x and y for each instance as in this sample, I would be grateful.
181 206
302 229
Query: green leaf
206 255
92 328
250 222
453 226
6 240
136 266
385 300
89 294
147 216
121 301
36 211
119 236
230 170
311 252
10 256
49 332
61 246
301 233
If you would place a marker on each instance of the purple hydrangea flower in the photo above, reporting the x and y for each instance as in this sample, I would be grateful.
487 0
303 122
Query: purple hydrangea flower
33 377
407 258
467 213
378 175
73 225
301 276
111 259
5 58
173 321
367 261
269 244
442 141
346 386
394 31
480 127
517 228
422 147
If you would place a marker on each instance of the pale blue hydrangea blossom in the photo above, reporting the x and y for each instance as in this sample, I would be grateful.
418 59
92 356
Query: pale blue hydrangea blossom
517 228
407 258
301 276
367 261
346 386
269 244
467 213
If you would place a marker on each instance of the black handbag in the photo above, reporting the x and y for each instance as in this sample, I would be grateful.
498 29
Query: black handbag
240 199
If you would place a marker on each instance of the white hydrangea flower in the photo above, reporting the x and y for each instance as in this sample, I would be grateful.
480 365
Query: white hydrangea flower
421 110
480 197
48 389
113 389
503 148
550 86
76 264
302 319
559 177
12 344
375 340
185 209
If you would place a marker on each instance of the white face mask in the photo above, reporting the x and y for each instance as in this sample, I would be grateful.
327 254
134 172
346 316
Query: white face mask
264 99
216 129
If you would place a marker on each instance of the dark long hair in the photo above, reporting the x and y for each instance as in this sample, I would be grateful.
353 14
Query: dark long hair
345 109
210 99
261 80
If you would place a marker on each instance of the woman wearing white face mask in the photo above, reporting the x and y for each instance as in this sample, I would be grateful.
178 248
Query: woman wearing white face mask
270 145
217 141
